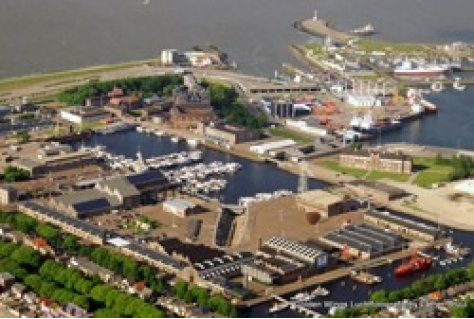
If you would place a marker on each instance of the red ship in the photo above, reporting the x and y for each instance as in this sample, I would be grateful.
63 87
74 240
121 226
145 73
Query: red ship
416 263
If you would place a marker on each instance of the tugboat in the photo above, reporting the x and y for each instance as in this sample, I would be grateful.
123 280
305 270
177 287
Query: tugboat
415 264
365 30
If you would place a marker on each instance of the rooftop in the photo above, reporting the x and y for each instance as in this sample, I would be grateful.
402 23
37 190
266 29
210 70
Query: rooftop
409 223
383 155
391 190
179 203
65 219
320 197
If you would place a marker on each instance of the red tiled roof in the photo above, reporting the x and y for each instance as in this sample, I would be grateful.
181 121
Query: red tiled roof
40 242
139 285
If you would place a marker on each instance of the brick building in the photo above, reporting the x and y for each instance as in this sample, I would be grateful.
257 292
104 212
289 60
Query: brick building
227 134
377 161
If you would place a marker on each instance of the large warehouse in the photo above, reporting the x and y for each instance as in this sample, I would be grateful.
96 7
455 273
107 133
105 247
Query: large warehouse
364 241
402 225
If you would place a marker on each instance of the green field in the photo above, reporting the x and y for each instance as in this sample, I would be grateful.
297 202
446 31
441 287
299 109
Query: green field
361 173
315 47
63 77
430 172
285 133
375 45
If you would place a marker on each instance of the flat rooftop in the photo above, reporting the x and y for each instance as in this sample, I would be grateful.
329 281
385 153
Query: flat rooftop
391 190
320 197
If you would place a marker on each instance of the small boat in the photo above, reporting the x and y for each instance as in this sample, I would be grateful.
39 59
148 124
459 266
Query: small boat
302 297
457 85
456 250
365 277
437 87
320 291
277 307
365 30
139 129
193 143
175 139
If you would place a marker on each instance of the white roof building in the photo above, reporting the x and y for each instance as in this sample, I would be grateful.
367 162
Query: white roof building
264 148
466 186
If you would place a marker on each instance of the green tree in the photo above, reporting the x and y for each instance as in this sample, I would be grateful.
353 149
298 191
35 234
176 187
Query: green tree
180 288
83 286
110 297
81 301
6 249
49 232
379 296
106 313
25 223
33 281
26 256
98 293
459 312
70 243
47 289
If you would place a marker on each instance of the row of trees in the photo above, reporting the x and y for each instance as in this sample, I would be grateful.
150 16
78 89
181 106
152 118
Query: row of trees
121 264
24 263
463 311
119 304
141 86
53 280
225 101
55 273
12 174
194 294
463 166
355 312
425 286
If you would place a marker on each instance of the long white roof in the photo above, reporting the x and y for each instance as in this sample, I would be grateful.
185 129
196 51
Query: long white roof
261 148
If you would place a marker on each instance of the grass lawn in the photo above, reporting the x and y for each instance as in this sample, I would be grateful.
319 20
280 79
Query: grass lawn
359 173
63 77
286 133
315 47
375 45
431 173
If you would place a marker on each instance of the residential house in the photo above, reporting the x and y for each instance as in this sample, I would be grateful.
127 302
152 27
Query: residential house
30 298
39 244
90 268
6 280
15 236
139 288
18 290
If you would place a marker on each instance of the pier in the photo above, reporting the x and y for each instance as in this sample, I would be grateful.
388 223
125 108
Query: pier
297 307
321 28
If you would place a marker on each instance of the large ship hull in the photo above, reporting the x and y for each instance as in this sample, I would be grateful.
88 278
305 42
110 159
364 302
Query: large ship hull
379 129
420 264
419 73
